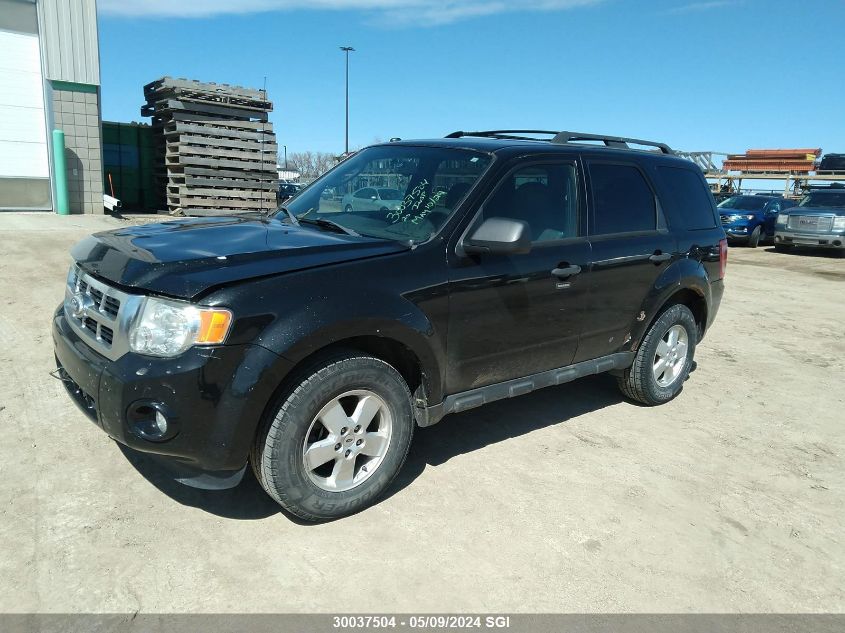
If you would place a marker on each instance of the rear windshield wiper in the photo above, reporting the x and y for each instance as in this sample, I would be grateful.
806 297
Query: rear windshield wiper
331 225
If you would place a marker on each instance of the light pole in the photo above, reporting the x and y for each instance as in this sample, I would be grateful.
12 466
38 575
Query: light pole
347 50
286 157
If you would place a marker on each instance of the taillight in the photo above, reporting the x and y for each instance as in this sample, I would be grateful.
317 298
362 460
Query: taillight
723 257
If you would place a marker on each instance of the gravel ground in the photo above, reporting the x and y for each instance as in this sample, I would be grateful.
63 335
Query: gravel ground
728 499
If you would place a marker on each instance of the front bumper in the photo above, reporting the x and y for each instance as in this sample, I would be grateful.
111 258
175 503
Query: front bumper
816 240
214 396
738 231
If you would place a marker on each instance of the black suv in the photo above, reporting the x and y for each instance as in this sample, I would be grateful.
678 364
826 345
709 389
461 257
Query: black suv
309 343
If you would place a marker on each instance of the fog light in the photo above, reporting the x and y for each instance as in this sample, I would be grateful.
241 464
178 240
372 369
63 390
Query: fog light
150 421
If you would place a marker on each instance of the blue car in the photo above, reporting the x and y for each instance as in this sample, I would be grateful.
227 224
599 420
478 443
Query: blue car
751 219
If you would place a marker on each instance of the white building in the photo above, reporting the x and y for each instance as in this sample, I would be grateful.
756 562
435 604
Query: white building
49 79
289 174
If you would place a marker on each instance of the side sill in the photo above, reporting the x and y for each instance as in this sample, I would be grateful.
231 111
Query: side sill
427 416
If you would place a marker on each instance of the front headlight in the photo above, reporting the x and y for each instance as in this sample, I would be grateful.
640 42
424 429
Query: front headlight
839 223
168 328
747 217
782 217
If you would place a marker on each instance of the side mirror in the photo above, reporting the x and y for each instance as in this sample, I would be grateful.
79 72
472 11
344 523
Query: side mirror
499 236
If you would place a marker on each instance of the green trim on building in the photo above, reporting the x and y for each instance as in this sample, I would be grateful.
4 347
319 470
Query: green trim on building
73 87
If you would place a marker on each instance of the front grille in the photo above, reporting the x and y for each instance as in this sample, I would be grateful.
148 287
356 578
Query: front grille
111 306
105 303
99 313
96 295
810 223
106 334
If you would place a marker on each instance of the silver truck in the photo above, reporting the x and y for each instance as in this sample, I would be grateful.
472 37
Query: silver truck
818 222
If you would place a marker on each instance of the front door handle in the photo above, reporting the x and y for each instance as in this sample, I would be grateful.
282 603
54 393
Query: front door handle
659 257
568 271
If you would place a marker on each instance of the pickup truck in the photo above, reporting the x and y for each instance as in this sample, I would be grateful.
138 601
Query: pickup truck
818 222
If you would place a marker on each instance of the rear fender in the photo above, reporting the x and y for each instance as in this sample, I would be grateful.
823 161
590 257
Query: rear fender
683 274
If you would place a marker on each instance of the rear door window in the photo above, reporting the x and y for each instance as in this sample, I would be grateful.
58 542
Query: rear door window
689 200
623 201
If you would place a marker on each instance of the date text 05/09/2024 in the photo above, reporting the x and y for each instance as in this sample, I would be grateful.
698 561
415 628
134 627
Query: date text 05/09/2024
352 622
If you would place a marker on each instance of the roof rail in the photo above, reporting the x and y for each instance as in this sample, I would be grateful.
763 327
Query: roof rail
609 141
506 134
563 138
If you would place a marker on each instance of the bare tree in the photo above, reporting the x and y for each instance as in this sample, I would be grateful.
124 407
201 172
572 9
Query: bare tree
311 165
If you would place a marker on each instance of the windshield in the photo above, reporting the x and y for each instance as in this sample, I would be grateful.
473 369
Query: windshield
745 203
396 192
828 199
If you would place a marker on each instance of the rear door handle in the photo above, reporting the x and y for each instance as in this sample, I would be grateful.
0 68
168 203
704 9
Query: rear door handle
568 271
659 257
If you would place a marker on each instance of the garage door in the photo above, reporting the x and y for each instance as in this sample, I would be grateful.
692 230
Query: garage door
24 167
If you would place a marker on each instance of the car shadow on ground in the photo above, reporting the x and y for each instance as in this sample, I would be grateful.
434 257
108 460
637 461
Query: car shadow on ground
247 501
462 433
456 435
808 251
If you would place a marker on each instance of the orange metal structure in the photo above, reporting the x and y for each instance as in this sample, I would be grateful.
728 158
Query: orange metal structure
773 160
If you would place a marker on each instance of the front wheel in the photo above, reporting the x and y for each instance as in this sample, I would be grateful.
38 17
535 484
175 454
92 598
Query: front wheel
754 240
337 438
664 358
348 208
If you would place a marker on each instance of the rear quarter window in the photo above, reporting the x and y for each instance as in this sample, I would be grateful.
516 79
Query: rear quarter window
686 198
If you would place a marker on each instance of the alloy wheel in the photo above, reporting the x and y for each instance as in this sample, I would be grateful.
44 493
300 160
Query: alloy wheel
347 440
670 359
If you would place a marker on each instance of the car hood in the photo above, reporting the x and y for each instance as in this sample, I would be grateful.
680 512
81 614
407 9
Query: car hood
728 212
185 258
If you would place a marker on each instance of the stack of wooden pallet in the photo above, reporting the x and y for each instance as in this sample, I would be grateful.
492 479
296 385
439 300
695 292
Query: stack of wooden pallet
216 150
773 160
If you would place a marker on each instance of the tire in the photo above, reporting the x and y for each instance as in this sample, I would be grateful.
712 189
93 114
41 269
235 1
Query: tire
311 414
639 381
755 237
348 208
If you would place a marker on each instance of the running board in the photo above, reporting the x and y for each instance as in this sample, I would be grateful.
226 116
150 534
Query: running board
427 416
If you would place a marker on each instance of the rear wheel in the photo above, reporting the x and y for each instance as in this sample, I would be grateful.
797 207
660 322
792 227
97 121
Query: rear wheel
755 237
664 358
336 440
348 208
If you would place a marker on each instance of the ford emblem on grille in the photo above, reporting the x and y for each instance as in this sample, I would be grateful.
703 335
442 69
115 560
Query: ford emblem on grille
79 303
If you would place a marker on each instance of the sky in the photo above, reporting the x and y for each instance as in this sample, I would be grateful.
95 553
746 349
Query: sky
718 75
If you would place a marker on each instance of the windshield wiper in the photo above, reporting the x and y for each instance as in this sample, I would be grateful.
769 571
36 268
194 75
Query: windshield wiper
290 214
329 224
